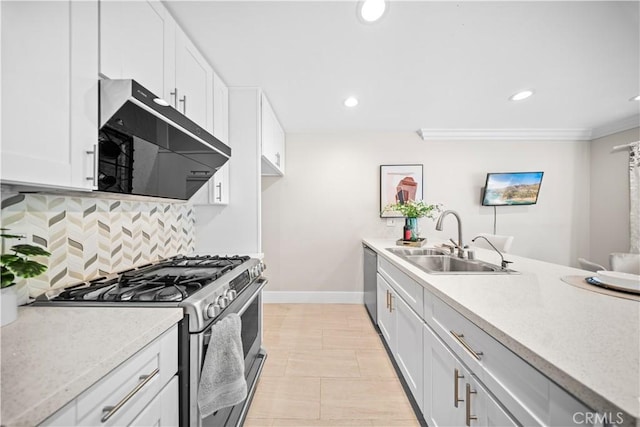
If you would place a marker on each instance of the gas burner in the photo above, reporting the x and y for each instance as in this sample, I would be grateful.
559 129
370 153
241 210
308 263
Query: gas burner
171 293
196 283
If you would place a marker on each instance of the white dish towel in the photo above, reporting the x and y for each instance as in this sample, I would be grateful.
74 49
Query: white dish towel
222 382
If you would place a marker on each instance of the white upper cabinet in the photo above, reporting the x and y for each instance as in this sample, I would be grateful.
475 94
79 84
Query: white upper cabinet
220 109
220 182
49 93
140 40
273 141
189 78
132 42
216 190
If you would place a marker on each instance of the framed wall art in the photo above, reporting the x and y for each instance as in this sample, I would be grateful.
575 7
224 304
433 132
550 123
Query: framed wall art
399 183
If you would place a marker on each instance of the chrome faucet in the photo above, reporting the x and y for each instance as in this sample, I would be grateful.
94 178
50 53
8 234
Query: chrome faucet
503 263
459 245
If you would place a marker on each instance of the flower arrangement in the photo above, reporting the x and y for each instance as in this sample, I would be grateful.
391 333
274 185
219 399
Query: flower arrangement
18 263
415 209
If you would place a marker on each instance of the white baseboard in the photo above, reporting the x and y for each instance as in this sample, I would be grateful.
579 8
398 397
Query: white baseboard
318 297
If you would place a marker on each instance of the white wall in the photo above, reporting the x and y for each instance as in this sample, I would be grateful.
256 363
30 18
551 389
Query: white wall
609 225
314 217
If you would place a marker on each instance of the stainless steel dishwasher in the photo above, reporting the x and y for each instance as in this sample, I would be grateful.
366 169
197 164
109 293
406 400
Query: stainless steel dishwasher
370 285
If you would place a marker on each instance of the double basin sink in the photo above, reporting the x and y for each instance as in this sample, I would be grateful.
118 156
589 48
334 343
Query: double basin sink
437 261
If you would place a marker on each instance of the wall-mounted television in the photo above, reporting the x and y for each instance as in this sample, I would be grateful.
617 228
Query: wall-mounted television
512 188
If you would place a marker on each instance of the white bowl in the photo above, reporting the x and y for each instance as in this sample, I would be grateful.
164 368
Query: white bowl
619 279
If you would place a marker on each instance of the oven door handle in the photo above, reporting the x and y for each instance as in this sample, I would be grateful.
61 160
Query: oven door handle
262 283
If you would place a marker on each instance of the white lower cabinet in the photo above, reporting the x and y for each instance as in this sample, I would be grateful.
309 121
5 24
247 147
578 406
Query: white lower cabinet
141 391
452 395
401 328
162 410
408 352
457 373
386 319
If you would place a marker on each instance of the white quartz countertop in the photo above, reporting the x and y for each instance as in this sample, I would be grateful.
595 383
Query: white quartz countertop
586 342
52 354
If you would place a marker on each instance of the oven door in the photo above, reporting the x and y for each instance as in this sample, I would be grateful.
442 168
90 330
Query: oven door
248 305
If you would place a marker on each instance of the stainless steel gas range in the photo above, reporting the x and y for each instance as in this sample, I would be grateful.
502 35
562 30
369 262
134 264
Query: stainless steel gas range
208 288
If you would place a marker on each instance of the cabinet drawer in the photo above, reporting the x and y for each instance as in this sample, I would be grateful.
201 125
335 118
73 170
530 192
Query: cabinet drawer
407 288
132 385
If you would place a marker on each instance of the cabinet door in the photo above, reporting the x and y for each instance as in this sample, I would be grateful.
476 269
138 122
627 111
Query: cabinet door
409 349
444 381
132 42
49 93
216 190
273 141
193 81
220 181
386 318
493 413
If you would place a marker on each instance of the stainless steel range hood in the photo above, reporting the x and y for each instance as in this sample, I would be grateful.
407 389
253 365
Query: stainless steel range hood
150 148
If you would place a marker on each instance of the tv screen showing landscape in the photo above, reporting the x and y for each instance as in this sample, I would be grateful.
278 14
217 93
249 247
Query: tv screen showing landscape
513 188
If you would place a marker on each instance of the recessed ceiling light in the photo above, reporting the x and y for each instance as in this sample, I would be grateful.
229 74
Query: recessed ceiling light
635 98
161 101
351 101
372 10
521 95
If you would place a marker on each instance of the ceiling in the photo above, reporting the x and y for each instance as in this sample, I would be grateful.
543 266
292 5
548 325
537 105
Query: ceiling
428 65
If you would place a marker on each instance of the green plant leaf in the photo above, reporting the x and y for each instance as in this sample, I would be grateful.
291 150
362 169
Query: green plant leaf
7 259
27 268
9 236
29 250
7 277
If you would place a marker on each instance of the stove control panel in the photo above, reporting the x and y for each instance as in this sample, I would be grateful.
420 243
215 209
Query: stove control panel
257 270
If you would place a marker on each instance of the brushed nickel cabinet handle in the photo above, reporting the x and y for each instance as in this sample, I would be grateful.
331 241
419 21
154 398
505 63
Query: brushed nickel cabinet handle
184 104
460 338
391 302
175 97
109 411
469 416
219 191
456 377
94 153
387 291
278 159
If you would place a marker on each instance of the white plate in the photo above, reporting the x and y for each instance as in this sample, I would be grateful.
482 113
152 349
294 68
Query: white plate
619 279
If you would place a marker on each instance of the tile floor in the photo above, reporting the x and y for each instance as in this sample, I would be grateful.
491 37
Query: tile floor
326 366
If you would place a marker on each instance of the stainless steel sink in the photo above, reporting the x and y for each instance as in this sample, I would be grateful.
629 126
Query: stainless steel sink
434 261
420 251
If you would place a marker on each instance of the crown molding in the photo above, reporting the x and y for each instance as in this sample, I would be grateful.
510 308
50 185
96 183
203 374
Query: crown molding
616 126
506 134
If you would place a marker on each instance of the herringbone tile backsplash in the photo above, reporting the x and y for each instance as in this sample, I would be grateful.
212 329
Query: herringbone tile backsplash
89 237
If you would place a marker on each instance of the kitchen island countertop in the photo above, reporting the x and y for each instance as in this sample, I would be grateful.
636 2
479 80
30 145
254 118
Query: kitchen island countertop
586 342
52 354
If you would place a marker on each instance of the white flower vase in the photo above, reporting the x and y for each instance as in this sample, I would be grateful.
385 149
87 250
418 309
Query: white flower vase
8 305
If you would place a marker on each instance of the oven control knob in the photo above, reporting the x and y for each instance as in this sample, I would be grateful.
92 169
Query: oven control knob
231 294
213 310
222 301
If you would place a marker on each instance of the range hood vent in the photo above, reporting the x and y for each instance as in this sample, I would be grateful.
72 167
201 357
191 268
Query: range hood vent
151 149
